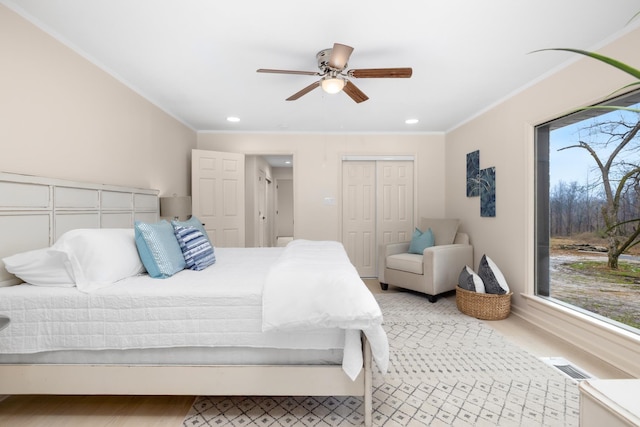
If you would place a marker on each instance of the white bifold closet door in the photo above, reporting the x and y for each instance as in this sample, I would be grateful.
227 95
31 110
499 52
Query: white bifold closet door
377 208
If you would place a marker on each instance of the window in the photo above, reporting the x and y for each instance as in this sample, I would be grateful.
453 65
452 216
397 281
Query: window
588 212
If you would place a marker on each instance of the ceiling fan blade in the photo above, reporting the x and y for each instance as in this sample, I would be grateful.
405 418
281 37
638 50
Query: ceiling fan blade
304 91
339 56
381 73
355 93
304 73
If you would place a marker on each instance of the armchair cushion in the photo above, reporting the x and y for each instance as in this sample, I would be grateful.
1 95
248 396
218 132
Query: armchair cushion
411 263
420 241
444 229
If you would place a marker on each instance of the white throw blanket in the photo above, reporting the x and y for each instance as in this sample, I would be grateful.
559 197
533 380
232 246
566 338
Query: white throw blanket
314 285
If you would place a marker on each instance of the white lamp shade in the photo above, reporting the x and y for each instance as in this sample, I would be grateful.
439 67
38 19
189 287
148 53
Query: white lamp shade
175 207
332 85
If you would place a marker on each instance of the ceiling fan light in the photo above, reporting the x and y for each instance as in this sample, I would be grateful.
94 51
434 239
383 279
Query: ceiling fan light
333 85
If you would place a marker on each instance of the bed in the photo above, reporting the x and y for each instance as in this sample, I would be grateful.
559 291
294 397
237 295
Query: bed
260 321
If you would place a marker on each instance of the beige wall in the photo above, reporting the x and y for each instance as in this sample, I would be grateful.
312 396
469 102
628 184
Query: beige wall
504 136
63 117
317 170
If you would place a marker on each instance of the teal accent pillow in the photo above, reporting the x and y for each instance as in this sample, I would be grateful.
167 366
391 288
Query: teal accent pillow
420 241
159 249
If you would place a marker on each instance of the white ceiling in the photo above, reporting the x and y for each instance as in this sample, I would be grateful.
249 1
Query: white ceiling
197 59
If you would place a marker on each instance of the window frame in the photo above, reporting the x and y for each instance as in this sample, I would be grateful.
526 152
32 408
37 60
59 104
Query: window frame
542 237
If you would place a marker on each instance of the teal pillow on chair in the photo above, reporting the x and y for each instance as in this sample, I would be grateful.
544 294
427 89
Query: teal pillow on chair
420 241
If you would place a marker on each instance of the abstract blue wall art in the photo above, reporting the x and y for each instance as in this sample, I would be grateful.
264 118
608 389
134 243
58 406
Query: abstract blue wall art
473 171
488 192
481 182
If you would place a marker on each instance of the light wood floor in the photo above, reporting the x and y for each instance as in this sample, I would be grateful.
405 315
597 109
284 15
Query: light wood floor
169 411
94 411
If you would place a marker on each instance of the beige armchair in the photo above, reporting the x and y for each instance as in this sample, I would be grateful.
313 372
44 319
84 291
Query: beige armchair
437 269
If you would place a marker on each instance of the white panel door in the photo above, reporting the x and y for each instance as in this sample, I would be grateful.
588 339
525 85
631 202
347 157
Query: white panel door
217 186
377 208
359 215
395 201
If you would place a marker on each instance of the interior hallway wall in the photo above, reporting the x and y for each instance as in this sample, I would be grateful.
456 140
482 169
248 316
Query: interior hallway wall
284 201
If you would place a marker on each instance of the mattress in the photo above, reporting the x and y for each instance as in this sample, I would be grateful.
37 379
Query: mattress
190 356
219 307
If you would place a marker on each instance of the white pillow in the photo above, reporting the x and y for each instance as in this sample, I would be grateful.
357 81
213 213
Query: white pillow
101 256
41 267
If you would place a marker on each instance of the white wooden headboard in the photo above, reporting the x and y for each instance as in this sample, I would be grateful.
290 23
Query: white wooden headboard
35 211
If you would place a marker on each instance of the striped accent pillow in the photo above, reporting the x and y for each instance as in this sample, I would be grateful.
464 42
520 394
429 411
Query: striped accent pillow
196 249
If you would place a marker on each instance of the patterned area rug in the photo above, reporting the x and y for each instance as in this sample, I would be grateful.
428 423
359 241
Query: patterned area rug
446 368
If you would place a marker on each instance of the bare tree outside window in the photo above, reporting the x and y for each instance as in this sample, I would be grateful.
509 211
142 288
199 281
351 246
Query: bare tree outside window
614 145
592 219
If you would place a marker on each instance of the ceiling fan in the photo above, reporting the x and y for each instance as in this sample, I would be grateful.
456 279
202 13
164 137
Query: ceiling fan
334 77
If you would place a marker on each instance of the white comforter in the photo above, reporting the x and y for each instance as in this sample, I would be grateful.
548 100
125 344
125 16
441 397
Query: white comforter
314 285
217 307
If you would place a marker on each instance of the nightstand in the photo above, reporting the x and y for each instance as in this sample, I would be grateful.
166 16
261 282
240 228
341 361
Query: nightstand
4 322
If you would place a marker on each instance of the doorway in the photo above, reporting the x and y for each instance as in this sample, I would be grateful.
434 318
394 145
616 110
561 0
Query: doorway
269 199
284 210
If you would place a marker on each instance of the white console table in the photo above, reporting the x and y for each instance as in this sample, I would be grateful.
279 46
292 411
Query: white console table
610 403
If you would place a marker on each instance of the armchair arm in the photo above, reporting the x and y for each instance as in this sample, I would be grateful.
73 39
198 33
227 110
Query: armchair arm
445 262
385 251
396 248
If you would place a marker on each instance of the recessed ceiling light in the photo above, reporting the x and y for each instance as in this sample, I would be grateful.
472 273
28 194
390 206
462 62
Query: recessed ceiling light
233 119
411 121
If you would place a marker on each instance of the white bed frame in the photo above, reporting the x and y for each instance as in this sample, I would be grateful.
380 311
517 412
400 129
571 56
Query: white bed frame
35 211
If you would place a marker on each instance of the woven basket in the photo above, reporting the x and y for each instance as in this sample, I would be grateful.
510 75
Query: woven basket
483 306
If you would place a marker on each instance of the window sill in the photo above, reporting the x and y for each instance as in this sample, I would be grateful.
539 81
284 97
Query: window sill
593 321
608 342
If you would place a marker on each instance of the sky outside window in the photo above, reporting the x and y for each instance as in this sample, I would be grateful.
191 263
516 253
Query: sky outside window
576 164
